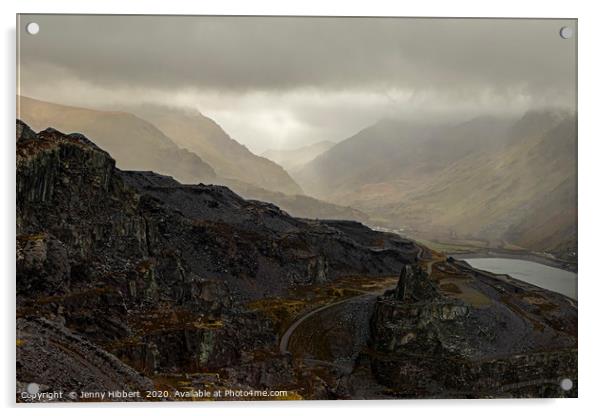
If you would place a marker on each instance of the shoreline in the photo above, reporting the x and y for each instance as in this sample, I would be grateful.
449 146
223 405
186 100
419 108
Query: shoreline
536 258
460 251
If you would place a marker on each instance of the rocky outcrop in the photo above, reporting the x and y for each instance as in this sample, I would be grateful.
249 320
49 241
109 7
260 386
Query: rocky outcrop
268 251
157 273
133 142
440 338
414 285
57 360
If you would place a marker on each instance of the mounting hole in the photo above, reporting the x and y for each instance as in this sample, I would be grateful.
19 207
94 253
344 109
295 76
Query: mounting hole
566 384
566 32
32 28
33 388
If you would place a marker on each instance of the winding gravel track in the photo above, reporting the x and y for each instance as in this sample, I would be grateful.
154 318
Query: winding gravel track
291 329
284 341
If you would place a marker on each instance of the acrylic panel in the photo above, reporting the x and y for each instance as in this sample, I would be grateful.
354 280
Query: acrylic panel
295 208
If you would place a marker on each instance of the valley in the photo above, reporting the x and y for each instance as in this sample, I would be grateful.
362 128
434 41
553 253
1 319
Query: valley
503 183
133 281
261 208
490 183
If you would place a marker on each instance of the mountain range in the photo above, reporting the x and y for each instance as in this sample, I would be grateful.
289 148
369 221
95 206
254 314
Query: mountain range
503 180
231 160
126 276
135 143
129 281
186 145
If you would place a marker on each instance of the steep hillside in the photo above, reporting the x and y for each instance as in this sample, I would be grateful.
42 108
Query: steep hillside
524 194
135 143
494 180
294 159
132 281
139 145
517 340
121 272
230 159
297 205
393 150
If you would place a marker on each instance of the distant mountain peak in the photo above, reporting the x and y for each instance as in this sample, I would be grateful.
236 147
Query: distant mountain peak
134 142
493 178
200 134
538 121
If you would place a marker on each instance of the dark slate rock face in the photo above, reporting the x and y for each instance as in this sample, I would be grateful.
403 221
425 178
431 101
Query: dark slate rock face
154 271
72 363
270 249
429 342
414 285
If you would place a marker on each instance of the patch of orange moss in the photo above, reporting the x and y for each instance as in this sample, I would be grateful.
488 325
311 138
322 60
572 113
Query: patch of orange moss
282 311
169 319
31 237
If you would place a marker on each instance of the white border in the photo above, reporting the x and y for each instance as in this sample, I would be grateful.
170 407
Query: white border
590 177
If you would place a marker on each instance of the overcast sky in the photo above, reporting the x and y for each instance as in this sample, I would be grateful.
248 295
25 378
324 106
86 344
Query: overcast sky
286 82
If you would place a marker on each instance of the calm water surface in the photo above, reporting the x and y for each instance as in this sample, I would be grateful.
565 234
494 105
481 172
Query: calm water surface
550 278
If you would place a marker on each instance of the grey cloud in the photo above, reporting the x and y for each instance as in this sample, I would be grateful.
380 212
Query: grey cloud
246 53
285 82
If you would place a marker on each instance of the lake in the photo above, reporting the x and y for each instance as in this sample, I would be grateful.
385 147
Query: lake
551 278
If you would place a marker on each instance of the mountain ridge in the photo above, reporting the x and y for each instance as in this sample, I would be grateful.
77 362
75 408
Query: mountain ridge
230 159
143 135
136 143
481 179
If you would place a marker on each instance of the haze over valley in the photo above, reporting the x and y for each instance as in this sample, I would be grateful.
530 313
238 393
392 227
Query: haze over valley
507 181
501 182
323 208
444 139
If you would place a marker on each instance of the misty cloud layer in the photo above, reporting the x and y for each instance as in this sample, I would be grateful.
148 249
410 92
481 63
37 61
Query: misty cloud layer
286 82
